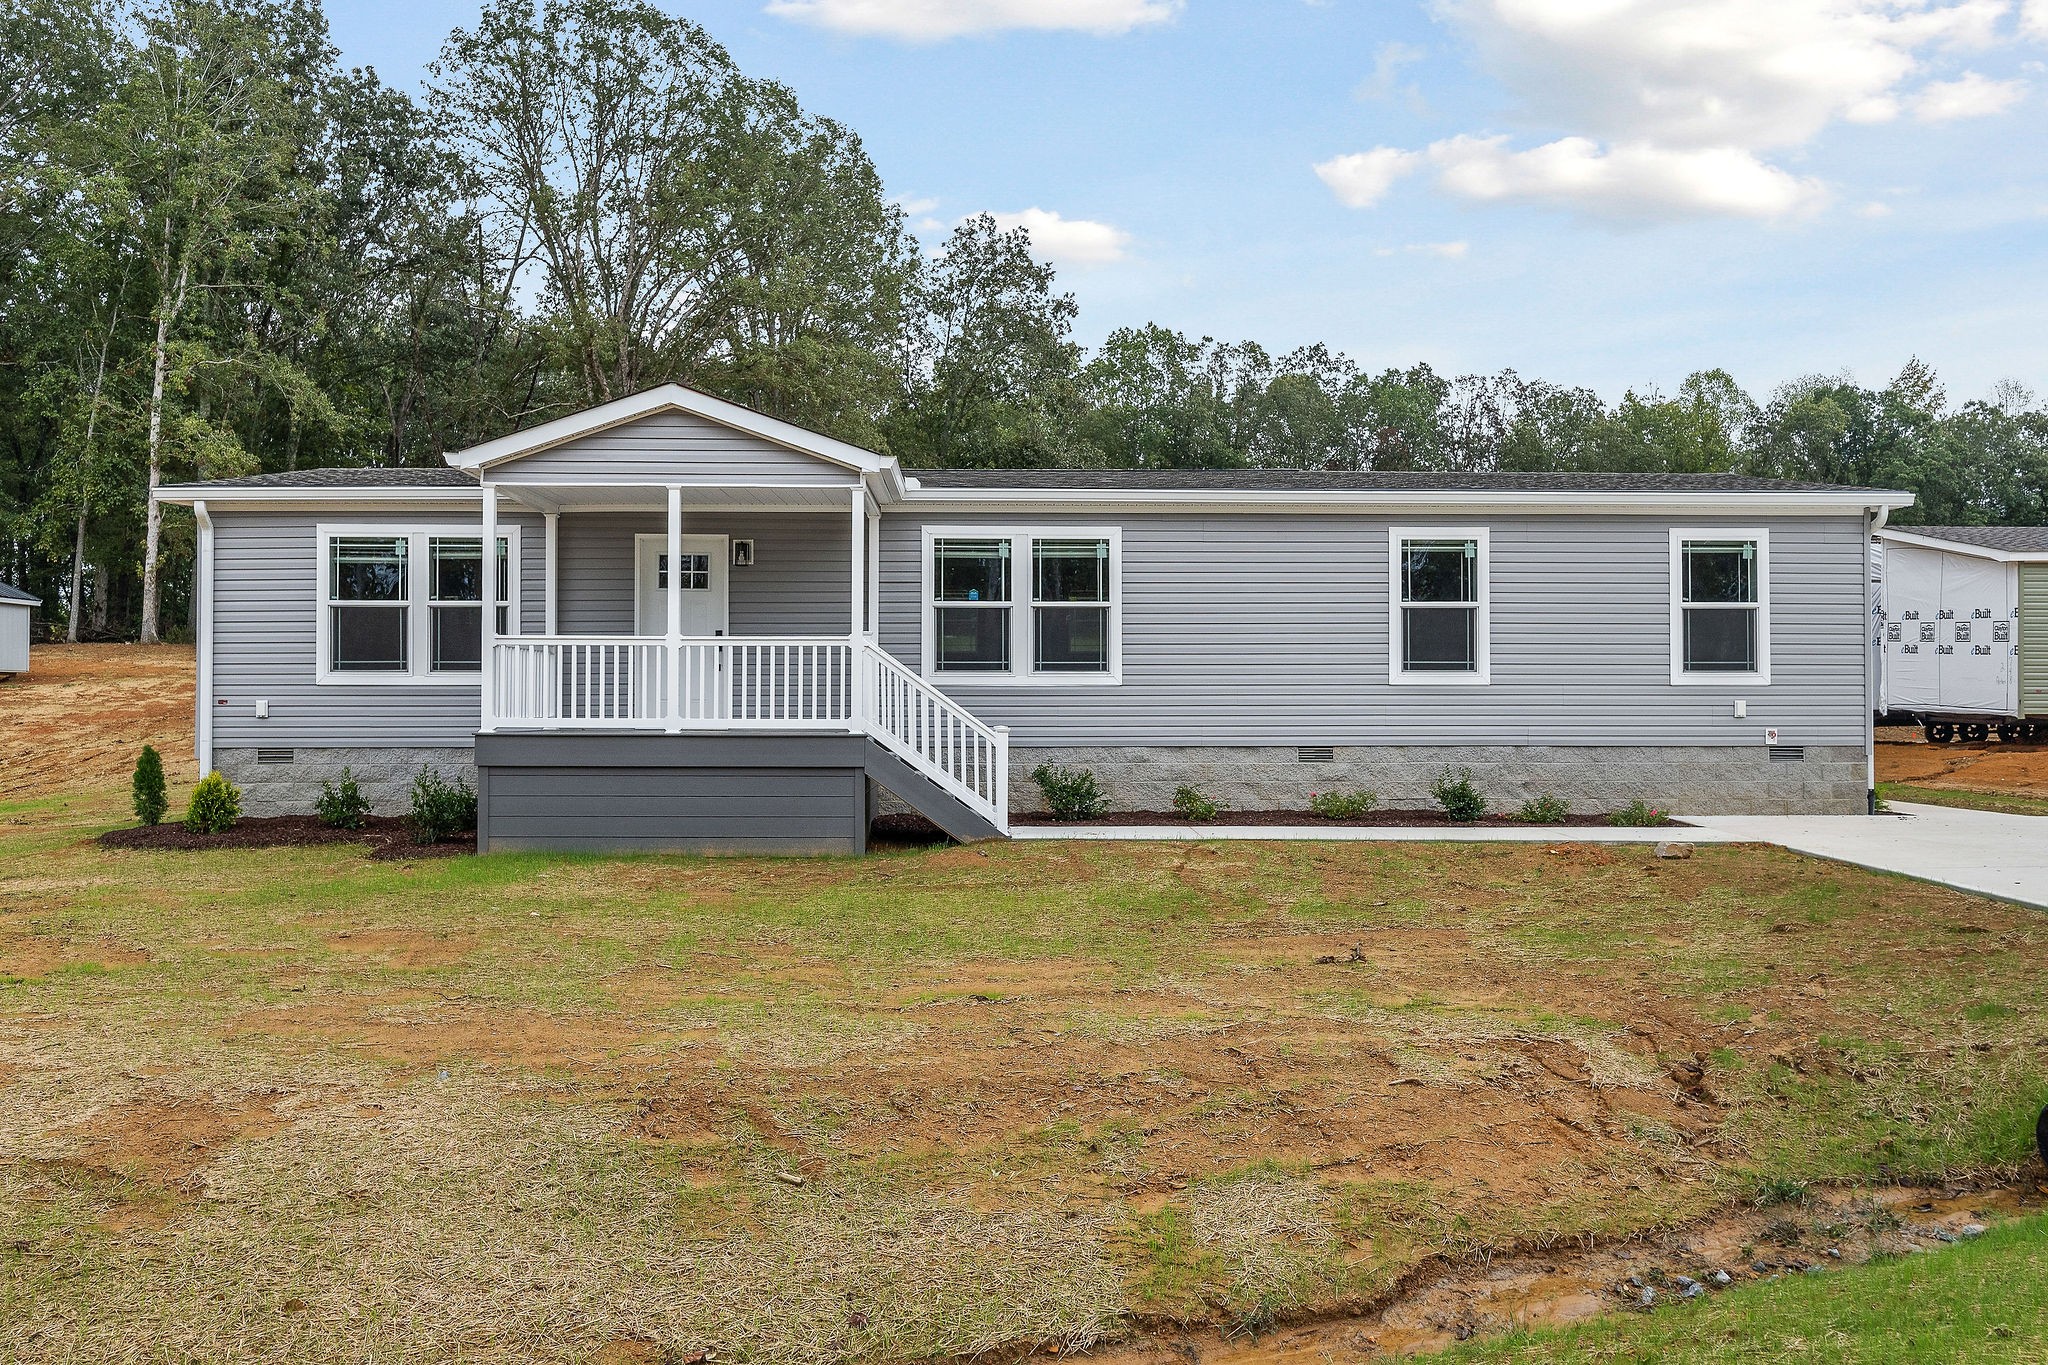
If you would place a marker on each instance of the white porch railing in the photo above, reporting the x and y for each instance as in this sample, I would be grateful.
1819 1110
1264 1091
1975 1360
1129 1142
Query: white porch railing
828 683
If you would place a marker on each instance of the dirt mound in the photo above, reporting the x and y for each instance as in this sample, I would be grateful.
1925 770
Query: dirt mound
385 837
2019 769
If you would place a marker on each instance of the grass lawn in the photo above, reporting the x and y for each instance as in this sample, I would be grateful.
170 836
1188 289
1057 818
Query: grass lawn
2012 803
1985 1300
299 1104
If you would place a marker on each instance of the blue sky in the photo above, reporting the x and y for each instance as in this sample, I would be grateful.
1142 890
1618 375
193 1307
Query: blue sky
1604 192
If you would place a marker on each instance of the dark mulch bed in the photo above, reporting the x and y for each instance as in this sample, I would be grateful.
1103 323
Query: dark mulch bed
1399 819
386 837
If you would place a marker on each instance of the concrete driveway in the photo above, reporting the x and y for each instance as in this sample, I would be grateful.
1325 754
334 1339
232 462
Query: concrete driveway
1972 850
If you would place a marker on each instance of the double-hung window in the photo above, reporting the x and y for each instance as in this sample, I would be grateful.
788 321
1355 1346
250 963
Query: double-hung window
1439 605
1720 606
402 604
1022 606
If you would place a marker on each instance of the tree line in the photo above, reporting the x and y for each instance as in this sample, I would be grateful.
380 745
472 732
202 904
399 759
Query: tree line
222 252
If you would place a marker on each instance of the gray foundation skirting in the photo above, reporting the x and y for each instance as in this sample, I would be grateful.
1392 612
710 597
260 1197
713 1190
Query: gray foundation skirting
1745 780
290 782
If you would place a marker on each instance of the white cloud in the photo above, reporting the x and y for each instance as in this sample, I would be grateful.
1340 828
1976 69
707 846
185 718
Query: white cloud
1068 241
1667 108
1448 251
1388 61
2034 19
1629 180
1876 208
931 20
1361 179
915 206
1970 96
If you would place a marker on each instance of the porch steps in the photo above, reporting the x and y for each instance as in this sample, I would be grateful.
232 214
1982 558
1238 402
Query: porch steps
924 795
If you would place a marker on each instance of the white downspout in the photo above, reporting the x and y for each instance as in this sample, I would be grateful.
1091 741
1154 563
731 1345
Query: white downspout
202 727
1874 519
487 676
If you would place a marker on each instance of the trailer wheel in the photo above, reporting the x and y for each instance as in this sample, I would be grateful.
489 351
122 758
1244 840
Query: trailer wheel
2009 732
1975 732
1940 732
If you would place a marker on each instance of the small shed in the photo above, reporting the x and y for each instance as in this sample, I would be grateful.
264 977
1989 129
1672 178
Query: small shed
15 608
1965 628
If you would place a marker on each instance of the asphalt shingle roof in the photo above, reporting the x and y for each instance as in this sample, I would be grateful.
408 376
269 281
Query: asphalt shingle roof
2013 539
9 593
358 477
1324 481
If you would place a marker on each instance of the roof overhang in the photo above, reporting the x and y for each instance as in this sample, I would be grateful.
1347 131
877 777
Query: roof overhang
395 497
1457 502
668 398
1899 536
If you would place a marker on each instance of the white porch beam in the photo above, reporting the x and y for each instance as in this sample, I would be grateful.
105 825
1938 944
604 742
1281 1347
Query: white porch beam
874 571
554 529
203 730
488 718
675 606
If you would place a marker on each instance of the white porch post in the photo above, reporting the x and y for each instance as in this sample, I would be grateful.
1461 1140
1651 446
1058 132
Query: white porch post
487 671
857 601
874 573
675 607
553 521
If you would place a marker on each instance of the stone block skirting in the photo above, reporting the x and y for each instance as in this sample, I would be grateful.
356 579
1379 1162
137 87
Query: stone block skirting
1745 780
290 782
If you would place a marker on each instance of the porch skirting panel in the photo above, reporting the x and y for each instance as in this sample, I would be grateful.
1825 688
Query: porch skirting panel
1718 780
639 793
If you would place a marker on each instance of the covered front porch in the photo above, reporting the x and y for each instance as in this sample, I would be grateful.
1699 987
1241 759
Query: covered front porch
716 610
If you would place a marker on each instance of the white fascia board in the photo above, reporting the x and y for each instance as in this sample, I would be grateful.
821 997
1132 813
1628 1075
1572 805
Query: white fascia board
1544 502
295 499
667 398
1900 536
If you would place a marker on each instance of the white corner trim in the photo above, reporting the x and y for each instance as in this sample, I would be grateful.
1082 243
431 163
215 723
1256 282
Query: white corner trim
669 398
203 633
1398 673
1761 676
419 638
1020 673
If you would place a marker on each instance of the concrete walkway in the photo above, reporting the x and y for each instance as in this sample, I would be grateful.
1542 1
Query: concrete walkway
1383 834
1983 851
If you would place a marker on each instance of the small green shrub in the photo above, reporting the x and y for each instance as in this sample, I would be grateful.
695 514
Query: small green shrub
148 787
1544 810
1070 793
216 805
342 804
1190 804
1343 805
1638 813
440 807
1454 792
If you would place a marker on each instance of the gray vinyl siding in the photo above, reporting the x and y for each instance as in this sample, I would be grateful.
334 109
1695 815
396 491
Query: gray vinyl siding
800 582
1274 629
672 447
266 600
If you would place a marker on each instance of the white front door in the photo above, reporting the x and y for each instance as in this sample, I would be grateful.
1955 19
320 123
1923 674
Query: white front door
706 609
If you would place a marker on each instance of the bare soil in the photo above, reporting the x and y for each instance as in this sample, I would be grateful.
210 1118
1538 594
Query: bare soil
1387 819
385 836
75 721
1904 755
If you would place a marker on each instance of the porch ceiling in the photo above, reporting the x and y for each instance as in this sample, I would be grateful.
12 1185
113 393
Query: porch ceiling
654 497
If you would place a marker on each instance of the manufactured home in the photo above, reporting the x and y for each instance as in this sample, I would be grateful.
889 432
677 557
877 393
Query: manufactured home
1964 638
675 623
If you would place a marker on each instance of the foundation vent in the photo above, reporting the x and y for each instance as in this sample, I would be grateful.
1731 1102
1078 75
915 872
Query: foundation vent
1788 753
274 755
1315 754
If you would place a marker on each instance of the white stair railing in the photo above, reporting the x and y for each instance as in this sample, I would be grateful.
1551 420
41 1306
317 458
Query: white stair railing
936 735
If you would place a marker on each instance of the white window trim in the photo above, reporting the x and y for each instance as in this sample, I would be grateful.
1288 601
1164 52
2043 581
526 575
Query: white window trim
418 622
1482 674
1020 673
1761 675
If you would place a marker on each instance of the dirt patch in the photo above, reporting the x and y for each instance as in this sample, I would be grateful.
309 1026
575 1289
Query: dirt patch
2018 769
419 1029
24 956
77 719
1379 819
164 1139
1441 1304
386 837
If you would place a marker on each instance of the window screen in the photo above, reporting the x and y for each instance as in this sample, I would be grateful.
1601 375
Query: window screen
1439 606
367 592
1719 590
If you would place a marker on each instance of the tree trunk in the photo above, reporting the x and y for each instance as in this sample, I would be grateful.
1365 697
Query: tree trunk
153 534
92 417
77 578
